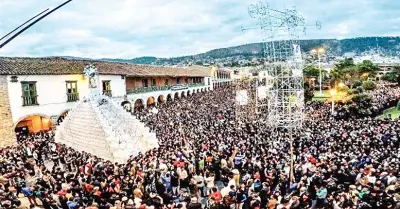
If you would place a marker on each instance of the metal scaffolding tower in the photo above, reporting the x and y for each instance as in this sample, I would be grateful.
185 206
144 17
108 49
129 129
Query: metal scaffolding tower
283 64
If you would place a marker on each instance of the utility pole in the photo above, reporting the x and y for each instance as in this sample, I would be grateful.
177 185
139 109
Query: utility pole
31 24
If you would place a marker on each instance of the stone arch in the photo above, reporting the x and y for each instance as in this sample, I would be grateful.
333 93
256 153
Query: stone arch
127 106
161 99
176 96
198 90
151 101
32 123
209 89
188 93
183 94
202 90
169 97
139 104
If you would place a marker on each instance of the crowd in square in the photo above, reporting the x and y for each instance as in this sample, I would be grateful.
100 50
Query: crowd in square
207 159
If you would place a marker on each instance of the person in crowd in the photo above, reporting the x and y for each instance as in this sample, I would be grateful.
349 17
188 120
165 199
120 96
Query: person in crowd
206 158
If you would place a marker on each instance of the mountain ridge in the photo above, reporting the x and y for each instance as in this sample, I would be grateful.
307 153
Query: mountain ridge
335 47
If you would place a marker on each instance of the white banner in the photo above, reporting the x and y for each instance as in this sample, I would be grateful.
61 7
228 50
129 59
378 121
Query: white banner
241 97
262 92
297 53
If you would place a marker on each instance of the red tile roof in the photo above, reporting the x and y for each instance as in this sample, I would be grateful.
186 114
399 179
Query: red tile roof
62 66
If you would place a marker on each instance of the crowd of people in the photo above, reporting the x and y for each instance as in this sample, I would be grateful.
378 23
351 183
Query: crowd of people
377 100
207 159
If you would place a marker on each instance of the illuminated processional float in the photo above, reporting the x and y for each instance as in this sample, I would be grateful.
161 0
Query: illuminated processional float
99 126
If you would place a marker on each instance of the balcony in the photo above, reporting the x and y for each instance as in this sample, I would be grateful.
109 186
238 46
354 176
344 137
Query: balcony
147 89
72 97
191 85
161 88
29 100
107 93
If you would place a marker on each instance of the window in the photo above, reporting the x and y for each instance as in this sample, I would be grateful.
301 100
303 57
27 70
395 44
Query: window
107 88
177 80
29 95
72 91
208 81
145 83
153 82
186 80
166 82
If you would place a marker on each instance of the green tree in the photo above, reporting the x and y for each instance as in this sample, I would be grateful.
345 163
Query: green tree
351 75
340 70
368 85
347 62
396 71
308 92
398 105
367 68
311 71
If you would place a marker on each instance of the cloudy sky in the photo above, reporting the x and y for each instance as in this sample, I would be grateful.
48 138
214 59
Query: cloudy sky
169 28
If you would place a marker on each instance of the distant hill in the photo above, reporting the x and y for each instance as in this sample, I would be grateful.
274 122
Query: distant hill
387 45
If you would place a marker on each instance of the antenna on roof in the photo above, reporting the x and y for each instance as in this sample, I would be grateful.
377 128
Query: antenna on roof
31 24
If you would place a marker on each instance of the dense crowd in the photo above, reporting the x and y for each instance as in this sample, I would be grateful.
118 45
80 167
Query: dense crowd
207 159
378 100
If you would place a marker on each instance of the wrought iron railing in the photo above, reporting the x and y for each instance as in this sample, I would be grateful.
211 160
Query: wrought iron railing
107 93
72 97
191 85
29 100
147 89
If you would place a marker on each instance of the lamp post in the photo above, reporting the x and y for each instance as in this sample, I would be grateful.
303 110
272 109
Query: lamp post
333 93
319 52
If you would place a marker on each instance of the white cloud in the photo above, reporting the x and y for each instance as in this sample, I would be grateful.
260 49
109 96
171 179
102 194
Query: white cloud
166 28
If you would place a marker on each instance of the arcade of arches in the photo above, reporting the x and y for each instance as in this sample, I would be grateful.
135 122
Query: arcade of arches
169 98
161 99
150 101
127 106
33 124
139 104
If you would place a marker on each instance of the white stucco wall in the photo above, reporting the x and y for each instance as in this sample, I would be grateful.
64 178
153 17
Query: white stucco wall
51 91
118 87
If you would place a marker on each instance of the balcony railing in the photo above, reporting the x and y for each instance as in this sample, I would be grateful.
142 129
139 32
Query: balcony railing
191 85
107 93
72 97
147 89
29 100
158 88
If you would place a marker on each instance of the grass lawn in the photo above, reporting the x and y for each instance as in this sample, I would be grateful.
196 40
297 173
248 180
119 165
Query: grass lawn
393 111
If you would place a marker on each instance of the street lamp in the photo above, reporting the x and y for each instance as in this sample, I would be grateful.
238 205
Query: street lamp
319 52
333 93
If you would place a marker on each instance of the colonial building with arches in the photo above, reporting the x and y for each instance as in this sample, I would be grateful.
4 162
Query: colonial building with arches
37 93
